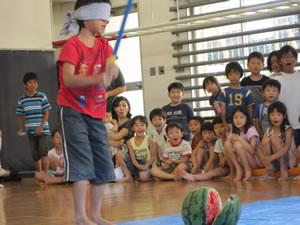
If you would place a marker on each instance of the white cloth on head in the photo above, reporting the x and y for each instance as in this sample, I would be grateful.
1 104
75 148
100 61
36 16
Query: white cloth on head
93 11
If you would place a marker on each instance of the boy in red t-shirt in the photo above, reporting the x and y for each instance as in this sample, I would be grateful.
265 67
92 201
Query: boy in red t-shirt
84 74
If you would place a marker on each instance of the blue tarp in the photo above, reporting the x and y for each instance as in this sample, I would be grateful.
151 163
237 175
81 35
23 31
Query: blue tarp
285 211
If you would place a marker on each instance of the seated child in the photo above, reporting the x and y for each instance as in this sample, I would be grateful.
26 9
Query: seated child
242 145
176 154
271 91
3 172
56 160
273 63
222 169
111 126
141 152
158 118
203 156
278 150
211 85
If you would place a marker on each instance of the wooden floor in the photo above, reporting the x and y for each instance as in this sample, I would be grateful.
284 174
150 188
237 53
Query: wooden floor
28 203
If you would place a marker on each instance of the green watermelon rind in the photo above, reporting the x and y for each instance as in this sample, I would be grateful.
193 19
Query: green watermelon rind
194 208
231 212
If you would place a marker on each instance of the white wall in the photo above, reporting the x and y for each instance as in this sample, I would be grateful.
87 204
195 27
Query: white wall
25 24
156 50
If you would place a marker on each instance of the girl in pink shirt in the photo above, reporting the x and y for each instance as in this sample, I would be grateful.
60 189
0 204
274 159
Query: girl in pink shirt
241 147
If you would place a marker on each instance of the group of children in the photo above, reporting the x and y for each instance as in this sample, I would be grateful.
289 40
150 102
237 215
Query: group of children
186 148
234 144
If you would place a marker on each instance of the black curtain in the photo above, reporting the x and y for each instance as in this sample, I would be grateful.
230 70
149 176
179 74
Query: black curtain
15 154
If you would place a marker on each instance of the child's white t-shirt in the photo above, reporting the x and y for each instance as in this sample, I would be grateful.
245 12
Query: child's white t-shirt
60 157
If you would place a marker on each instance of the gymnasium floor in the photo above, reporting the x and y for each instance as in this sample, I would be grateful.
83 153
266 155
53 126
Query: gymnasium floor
26 202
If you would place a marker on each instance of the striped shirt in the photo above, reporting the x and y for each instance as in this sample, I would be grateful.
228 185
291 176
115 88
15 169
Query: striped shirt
177 152
33 108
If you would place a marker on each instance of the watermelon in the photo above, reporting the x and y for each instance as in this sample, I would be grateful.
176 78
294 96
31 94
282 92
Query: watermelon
203 206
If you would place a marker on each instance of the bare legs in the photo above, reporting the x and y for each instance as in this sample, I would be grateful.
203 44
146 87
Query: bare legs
79 196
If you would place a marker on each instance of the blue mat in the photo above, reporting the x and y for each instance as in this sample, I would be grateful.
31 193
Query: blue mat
275 212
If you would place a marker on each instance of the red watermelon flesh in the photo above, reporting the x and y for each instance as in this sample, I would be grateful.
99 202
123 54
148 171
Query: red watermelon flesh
214 206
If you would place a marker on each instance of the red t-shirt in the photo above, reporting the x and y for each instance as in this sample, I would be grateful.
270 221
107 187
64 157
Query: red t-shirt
89 100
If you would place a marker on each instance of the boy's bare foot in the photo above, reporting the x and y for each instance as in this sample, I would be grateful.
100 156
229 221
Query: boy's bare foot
84 221
101 221
185 175
297 178
239 175
248 174
229 177
284 176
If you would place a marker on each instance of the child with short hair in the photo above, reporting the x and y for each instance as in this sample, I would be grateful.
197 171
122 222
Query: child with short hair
177 111
271 91
203 155
176 155
211 85
84 74
256 79
141 151
234 95
277 149
34 107
289 79
273 62
255 65
158 118
56 160
222 169
242 145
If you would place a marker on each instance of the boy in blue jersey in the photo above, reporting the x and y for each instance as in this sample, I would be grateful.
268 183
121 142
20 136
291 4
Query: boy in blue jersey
177 111
34 107
234 95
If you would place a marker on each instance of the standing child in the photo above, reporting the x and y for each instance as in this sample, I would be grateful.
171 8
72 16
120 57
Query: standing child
141 151
278 150
158 118
177 111
203 156
273 62
34 106
234 95
211 85
56 160
222 168
256 79
242 146
176 155
271 91
84 73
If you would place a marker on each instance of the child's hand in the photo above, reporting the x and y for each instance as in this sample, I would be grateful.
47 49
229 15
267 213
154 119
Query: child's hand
114 122
165 165
227 127
266 160
38 131
143 167
194 170
21 133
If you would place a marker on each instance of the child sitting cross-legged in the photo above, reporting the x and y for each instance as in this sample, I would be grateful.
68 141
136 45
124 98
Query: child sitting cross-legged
222 169
242 146
176 154
141 152
203 156
278 149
